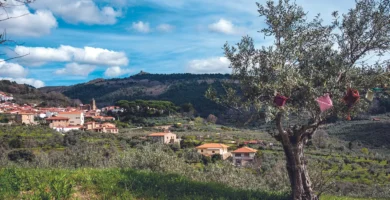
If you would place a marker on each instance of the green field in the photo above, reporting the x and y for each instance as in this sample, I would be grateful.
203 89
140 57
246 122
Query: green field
23 183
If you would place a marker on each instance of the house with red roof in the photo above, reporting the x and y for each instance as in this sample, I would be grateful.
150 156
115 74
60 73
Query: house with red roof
76 118
100 128
210 149
57 121
243 156
25 118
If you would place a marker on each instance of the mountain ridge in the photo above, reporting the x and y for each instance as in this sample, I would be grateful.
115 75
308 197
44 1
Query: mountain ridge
178 88
27 94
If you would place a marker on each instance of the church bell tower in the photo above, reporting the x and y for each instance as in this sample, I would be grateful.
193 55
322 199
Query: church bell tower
93 104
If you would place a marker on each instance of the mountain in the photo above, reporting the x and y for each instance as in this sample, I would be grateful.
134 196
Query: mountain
177 88
24 93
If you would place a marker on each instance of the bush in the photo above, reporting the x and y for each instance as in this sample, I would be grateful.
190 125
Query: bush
192 156
175 146
364 151
206 160
15 143
19 155
212 119
72 138
216 157
10 182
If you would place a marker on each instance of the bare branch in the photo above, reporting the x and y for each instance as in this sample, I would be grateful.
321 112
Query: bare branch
15 57
8 18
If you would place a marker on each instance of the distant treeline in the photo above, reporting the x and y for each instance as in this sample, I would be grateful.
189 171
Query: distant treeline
148 108
180 89
183 76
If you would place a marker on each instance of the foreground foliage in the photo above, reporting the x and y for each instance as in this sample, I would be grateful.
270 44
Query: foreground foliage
307 60
361 172
114 184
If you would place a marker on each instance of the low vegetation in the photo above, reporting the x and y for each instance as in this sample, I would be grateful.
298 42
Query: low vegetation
95 165
115 184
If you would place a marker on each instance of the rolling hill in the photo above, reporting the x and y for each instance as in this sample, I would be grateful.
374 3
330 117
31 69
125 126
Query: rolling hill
177 88
24 93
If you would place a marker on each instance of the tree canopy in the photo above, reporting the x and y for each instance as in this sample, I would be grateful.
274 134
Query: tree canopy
309 59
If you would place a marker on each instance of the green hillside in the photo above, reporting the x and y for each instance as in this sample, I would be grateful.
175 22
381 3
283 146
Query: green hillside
177 88
24 93
39 163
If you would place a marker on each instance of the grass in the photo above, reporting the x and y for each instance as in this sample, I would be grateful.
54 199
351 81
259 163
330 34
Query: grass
18 183
328 197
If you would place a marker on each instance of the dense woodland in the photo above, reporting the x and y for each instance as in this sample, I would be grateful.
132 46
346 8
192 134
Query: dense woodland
177 88
24 93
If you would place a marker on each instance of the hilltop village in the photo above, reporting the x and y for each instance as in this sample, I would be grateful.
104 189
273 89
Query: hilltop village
63 119
87 117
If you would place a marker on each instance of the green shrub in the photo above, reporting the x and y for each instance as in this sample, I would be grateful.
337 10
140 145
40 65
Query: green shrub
206 159
15 143
365 151
10 182
21 155
216 157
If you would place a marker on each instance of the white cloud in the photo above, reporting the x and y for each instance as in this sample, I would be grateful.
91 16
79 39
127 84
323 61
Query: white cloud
79 11
211 65
165 27
12 70
116 71
30 81
88 55
142 27
22 22
75 69
223 26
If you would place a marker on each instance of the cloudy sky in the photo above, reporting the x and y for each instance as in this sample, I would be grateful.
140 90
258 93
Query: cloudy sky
67 42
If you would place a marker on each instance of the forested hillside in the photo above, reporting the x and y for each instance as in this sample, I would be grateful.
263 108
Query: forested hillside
177 88
24 93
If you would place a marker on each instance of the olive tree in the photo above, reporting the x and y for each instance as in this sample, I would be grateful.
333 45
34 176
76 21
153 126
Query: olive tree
307 60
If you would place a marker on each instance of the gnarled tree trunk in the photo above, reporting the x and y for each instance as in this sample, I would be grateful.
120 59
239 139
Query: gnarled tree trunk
293 141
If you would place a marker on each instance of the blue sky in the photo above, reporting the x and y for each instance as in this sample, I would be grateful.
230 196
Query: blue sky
72 41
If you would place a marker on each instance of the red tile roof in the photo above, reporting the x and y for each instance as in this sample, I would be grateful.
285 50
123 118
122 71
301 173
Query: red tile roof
212 145
67 113
57 118
245 150
252 142
25 113
158 134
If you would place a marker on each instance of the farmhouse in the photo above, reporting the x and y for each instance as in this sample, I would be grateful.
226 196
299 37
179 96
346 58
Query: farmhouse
25 118
164 137
100 128
57 121
210 149
76 118
243 156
